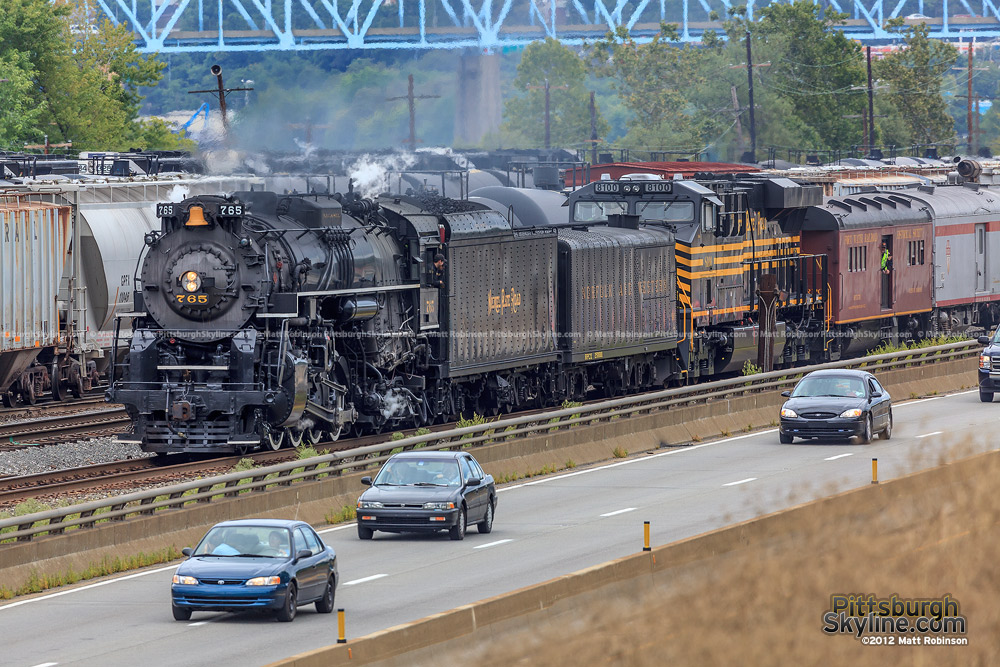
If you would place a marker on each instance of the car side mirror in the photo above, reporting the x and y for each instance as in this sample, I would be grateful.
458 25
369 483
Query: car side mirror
786 393
366 480
187 551
984 340
473 481
303 553
876 394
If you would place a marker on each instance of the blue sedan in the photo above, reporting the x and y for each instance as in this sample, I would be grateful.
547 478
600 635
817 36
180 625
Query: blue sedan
264 564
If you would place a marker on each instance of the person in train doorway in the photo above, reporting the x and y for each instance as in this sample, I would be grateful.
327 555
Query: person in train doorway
886 267
439 271
886 259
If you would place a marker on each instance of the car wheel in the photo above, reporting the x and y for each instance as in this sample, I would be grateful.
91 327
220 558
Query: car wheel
785 439
985 396
181 613
866 435
457 532
287 613
364 532
324 605
887 431
486 525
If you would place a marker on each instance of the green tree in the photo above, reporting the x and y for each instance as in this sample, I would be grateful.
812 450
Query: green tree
657 82
915 75
569 100
75 85
813 66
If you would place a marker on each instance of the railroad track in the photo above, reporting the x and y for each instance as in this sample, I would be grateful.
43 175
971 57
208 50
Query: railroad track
62 428
152 471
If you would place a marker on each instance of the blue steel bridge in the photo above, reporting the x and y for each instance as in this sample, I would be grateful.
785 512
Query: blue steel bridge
180 26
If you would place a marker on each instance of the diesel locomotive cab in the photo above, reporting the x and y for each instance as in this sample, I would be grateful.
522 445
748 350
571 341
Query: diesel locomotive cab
188 381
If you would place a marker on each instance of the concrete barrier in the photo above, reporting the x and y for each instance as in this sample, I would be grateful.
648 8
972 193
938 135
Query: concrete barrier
446 638
57 555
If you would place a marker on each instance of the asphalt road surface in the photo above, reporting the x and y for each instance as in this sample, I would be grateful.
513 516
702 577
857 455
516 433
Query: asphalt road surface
544 528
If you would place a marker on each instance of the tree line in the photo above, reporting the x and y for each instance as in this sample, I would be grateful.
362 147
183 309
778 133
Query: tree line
810 87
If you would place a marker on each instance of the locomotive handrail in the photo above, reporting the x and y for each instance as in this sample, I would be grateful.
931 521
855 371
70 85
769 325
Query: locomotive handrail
118 508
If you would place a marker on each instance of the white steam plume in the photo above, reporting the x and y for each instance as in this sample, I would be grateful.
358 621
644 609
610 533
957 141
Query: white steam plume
371 173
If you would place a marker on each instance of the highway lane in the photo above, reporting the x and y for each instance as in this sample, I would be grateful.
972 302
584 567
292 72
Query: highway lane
544 528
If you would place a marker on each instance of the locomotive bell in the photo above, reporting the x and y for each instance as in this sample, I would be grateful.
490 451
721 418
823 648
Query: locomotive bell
196 217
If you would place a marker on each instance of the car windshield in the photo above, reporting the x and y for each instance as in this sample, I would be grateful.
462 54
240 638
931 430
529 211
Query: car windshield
418 472
259 541
844 387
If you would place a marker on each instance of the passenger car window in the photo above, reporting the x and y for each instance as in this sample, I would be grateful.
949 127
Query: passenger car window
300 541
312 541
476 470
466 470
878 387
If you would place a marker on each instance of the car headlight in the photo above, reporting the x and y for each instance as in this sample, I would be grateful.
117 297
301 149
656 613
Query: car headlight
853 413
190 581
369 505
439 506
788 413
264 581
191 281
984 362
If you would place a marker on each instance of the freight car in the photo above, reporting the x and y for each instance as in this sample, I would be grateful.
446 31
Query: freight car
59 304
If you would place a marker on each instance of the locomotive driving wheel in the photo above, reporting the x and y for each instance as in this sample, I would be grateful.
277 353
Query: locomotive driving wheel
275 441
295 437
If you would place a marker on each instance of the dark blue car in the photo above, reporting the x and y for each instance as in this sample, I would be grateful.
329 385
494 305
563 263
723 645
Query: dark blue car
269 564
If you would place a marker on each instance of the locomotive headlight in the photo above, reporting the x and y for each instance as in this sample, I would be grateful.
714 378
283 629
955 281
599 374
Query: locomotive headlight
191 281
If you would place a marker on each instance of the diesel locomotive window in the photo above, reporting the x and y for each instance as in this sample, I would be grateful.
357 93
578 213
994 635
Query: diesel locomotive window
597 211
707 216
666 211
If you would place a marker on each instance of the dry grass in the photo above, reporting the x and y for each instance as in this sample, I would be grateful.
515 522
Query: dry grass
763 604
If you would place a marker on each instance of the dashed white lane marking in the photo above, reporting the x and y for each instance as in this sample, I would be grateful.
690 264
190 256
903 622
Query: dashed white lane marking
47 664
363 580
927 435
742 481
838 456
627 509
330 530
493 544
195 625
89 586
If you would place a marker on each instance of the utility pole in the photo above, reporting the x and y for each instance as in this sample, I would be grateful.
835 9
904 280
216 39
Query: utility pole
546 88
411 101
972 43
593 129
739 125
977 121
222 91
871 103
753 128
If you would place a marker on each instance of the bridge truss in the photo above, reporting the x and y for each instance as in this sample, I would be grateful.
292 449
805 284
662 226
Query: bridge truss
180 26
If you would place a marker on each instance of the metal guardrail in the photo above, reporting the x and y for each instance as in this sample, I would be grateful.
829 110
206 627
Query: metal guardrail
86 515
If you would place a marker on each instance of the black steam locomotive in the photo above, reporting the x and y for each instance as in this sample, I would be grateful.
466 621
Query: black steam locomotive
263 320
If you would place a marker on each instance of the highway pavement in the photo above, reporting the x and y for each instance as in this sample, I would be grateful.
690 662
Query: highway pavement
545 527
